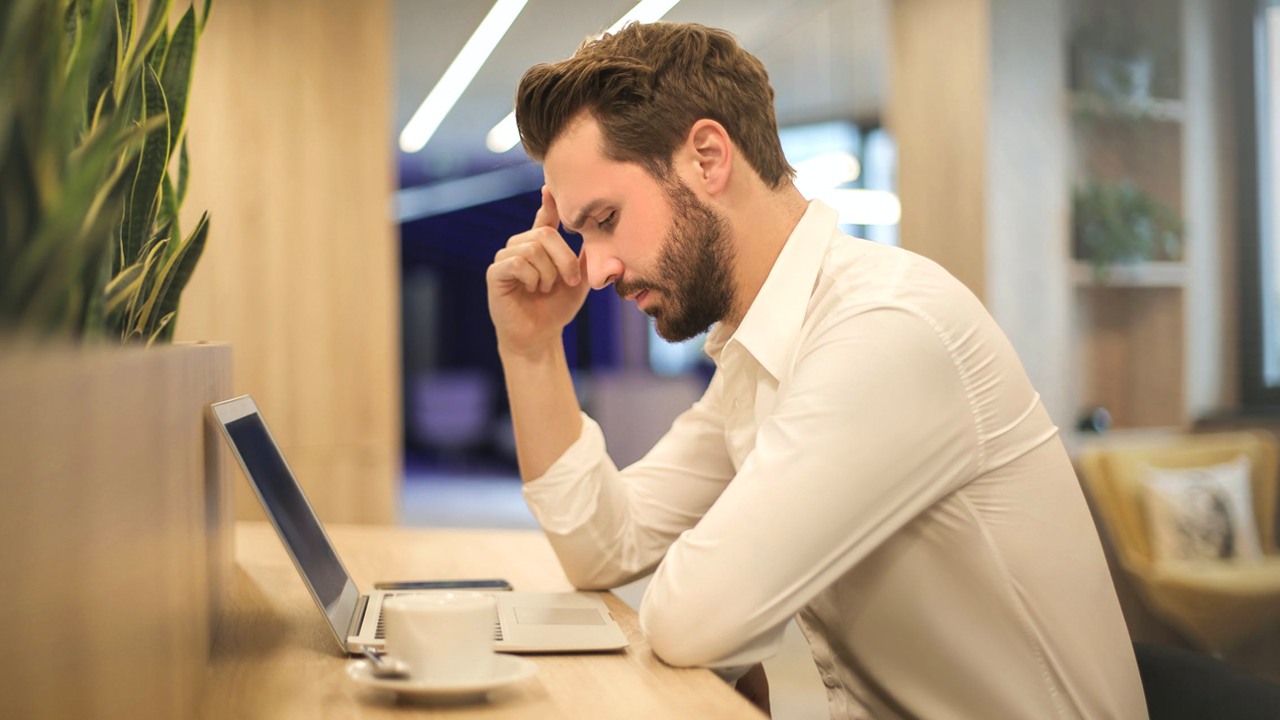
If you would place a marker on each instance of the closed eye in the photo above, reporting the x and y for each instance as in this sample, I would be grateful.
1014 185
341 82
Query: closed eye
608 221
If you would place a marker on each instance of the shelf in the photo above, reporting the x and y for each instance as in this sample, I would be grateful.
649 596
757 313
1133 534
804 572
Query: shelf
1159 110
1156 274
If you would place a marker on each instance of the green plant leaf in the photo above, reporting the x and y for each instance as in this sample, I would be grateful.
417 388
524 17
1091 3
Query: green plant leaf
95 309
69 222
83 115
156 57
184 170
204 17
128 19
122 287
98 108
164 322
144 198
176 80
157 21
187 257
128 10
164 233
78 27
134 311
168 214
102 69
166 333
78 71
14 27
155 288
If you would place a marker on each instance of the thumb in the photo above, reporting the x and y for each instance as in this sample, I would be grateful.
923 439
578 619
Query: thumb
547 215
582 269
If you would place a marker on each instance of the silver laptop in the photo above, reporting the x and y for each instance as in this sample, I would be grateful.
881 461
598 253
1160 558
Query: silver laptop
526 621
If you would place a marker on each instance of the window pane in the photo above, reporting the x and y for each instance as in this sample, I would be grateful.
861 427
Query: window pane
1269 190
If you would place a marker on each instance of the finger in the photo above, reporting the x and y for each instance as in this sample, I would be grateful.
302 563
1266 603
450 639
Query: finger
533 253
537 256
554 245
548 215
518 270
582 264
560 253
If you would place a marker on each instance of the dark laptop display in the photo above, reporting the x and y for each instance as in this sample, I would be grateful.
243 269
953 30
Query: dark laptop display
292 514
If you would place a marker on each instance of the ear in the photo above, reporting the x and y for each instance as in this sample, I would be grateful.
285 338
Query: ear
711 153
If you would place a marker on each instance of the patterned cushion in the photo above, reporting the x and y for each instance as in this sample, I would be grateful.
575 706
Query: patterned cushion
1203 513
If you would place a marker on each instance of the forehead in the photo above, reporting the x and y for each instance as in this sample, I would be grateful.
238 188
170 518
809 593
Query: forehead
578 172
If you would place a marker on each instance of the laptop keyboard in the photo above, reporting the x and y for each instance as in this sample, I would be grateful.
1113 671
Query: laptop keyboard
380 633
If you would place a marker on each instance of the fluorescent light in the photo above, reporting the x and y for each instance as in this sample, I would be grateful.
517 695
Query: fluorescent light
506 135
461 72
826 171
863 207
645 11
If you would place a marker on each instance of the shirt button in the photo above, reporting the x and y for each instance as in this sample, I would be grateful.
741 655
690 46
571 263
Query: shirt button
828 680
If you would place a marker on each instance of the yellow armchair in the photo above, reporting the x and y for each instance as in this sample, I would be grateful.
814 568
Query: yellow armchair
1215 604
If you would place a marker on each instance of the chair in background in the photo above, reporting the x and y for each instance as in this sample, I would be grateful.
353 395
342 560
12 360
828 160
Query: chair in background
1214 604
1183 685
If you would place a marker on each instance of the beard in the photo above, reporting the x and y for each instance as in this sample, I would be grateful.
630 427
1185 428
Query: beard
695 262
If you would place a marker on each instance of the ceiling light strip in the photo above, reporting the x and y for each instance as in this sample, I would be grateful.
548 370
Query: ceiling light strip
461 72
506 135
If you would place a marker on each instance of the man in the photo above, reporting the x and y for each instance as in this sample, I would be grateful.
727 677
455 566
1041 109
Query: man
869 457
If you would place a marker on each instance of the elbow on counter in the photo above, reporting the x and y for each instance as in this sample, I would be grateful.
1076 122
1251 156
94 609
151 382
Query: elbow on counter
689 636
593 573
589 568
589 582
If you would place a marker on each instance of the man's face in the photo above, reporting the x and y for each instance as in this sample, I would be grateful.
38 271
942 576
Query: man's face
655 240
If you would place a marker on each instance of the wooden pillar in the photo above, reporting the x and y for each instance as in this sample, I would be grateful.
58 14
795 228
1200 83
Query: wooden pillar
291 153
976 104
937 110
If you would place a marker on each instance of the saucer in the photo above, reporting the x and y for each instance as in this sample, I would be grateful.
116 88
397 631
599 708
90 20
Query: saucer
506 669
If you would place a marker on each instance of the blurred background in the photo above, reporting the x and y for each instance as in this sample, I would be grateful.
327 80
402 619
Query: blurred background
1098 173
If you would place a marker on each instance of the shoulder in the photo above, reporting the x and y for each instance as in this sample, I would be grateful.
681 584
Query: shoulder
859 276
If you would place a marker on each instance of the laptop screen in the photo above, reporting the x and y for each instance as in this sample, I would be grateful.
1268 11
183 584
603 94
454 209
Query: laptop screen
296 522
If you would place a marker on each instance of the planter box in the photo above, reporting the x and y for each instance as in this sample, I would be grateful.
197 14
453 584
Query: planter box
115 528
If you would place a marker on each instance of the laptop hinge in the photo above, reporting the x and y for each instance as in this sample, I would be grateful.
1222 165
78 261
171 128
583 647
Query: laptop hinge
357 618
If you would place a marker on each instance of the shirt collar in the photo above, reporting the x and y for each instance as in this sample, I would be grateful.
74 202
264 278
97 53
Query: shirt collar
769 329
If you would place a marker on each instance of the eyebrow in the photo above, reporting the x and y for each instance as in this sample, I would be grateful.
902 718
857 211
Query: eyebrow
592 207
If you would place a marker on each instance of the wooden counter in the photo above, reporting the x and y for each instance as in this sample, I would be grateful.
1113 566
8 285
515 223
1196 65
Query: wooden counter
274 658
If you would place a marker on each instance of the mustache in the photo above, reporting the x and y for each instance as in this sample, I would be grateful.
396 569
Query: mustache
630 288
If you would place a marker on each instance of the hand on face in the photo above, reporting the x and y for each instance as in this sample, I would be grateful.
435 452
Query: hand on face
536 284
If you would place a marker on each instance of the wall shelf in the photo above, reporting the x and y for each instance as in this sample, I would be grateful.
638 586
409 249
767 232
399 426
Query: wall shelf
1154 274
1155 109
1151 342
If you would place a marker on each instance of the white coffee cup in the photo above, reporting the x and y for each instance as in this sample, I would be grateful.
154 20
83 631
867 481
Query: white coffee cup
441 637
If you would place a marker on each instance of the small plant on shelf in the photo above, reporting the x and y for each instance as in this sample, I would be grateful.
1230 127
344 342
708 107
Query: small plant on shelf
93 109
1117 223
1121 58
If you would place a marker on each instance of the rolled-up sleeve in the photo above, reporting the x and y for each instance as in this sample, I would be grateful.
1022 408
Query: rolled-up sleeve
609 527
875 426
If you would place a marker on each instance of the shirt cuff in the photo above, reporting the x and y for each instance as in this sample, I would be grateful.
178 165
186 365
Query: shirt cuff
563 498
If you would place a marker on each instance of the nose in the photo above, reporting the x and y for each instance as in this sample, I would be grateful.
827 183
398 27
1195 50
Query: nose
602 268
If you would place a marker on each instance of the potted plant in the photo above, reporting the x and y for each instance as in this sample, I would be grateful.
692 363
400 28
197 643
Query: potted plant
1119 57
1118 223
93 107
117 495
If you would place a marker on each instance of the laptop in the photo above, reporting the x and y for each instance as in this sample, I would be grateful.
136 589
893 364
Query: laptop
526 622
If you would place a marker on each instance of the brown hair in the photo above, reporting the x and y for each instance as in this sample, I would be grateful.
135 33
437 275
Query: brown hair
647 85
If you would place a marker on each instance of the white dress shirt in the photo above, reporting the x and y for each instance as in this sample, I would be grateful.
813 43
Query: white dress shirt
871 459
